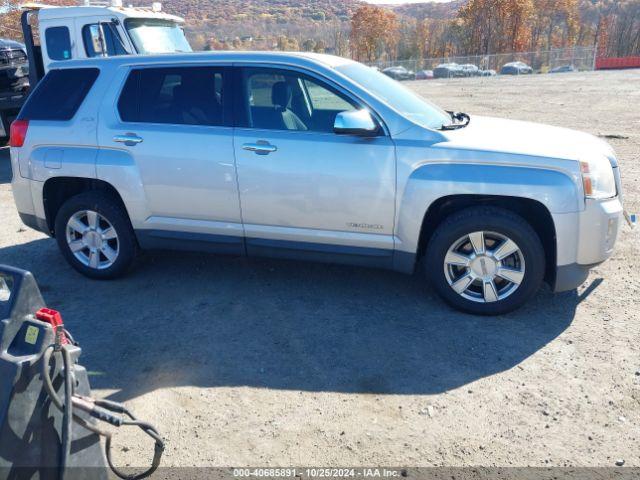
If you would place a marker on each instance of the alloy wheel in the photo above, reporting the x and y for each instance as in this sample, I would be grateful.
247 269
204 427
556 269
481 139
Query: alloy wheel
92 239
484 266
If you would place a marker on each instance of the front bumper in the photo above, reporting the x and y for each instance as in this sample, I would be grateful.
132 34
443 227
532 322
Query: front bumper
585 239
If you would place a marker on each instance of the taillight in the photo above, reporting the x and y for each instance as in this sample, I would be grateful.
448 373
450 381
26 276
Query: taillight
18 132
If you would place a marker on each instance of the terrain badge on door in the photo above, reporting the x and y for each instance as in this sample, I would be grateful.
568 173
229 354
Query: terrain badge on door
365 226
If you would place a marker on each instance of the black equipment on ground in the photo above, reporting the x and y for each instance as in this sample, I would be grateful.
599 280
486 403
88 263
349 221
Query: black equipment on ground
42 435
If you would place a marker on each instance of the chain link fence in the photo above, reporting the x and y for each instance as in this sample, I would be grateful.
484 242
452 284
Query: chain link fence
549 61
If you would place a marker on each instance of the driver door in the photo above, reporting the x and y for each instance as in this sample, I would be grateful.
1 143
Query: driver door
304 190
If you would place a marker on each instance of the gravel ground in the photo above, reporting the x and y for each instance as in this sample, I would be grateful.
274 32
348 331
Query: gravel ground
259 362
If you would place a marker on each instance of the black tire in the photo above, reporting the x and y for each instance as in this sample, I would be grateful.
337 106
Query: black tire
111 210
489 219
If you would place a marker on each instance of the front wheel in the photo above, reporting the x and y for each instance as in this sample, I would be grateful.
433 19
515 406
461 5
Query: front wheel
95 236
485 261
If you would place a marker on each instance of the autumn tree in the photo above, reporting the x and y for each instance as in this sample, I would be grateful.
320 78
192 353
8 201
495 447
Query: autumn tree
374 32
623 35
287 44
554 23
10 13
492 26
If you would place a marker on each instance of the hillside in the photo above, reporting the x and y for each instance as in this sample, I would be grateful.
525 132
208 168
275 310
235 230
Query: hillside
319 19
438 11
283 11
277 11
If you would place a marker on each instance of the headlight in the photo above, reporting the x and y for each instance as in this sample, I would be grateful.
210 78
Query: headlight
597 178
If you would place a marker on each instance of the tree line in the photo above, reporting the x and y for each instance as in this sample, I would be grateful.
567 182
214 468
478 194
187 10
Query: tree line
482 27
371 33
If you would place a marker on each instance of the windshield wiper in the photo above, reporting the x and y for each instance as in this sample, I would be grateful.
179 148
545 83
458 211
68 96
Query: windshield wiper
460 117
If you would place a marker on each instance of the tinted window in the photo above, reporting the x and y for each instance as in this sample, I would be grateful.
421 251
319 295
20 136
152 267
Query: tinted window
59 95
396 95
182 96
285 100
97 39
58 43
323 99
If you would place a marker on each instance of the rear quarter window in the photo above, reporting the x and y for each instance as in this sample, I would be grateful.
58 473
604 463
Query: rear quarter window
59 95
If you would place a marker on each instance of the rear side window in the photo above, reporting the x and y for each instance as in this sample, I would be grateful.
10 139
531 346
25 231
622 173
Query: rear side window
178 96
58 43
59 95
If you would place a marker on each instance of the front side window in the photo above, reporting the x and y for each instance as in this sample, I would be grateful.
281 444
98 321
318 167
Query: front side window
58 43
179 96
151 35
396 95
102 39
276 99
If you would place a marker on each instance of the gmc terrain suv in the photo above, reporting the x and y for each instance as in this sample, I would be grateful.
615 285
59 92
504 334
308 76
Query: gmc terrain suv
310 157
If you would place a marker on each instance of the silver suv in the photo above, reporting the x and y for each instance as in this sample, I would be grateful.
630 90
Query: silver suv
308 157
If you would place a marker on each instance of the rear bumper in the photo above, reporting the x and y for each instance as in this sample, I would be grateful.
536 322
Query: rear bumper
32 215
31 221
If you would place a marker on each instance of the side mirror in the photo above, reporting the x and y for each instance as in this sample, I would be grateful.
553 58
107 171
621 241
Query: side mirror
356 122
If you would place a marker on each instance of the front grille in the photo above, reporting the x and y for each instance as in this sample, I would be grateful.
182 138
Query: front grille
12 57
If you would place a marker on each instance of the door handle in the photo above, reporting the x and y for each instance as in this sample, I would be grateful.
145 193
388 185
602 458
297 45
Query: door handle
260 148
129 139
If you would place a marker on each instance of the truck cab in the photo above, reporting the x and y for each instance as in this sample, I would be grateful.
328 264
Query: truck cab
97 29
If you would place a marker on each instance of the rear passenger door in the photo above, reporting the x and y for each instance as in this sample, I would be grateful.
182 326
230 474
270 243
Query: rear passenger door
174 123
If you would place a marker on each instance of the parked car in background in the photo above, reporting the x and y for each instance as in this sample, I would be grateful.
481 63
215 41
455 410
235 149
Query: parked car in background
470 70
399 73
488 73
563 69
14 83
308 156
516 68
424 75
448 70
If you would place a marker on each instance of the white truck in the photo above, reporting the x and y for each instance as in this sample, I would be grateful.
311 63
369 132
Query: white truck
97 29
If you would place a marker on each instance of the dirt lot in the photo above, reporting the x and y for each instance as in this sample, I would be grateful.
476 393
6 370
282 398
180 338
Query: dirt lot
259 362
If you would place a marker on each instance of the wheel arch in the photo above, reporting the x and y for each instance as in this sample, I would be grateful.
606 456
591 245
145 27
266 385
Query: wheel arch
532 211
58 190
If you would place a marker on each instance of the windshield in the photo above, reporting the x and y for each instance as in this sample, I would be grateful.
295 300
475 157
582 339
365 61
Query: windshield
151 35
397 96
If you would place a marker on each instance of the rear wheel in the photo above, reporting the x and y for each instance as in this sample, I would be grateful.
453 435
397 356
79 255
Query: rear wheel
485 261
95 236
